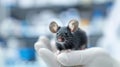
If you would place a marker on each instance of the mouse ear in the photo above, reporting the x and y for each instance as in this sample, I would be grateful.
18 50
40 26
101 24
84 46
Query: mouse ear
73 25
53 27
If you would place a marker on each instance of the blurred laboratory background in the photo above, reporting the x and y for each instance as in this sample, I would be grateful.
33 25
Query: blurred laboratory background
22 22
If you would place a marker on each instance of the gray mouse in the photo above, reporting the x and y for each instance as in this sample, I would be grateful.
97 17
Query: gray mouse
70 36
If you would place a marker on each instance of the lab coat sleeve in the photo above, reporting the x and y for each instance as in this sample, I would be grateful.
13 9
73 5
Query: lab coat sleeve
92 57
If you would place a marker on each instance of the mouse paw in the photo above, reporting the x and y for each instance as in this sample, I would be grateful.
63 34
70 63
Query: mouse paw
58 52
68 50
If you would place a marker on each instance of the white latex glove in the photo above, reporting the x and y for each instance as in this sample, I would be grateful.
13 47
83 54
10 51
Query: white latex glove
92 57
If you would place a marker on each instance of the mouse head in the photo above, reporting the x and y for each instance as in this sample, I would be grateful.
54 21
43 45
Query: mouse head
62 33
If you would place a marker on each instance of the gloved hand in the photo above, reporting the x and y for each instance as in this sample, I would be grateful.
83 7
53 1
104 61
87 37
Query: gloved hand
91 57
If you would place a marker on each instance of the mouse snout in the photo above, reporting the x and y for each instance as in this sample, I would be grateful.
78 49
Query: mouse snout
61 39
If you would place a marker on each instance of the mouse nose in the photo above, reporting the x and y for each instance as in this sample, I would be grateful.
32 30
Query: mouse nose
61 39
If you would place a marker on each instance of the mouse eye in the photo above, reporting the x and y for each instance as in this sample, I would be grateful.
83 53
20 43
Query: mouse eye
57 33
66 34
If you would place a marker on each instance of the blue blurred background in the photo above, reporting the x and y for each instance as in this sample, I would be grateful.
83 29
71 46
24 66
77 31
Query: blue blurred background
23 21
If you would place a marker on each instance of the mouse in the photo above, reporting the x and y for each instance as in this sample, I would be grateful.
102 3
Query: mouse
69 37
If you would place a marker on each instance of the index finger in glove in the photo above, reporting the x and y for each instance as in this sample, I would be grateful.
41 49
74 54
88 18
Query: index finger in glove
43 42
85 57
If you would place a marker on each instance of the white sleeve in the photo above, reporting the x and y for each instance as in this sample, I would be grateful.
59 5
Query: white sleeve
92 57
